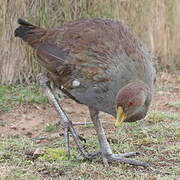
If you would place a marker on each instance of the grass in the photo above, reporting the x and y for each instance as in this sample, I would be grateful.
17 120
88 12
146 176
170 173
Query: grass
169 87
158 143
13 96
158 116
52 154
157 139
50 127
174 104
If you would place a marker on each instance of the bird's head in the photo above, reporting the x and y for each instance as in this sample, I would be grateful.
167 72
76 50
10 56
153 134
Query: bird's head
132 101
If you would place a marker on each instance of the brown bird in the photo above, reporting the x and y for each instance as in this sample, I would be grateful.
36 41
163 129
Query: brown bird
99 63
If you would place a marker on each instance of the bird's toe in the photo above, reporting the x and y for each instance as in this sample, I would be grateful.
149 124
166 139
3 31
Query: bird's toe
93 155
123 159
128 154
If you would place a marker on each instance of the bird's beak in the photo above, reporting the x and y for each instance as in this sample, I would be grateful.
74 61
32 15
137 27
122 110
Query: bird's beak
120 117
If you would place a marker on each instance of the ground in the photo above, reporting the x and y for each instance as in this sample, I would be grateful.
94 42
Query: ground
31 148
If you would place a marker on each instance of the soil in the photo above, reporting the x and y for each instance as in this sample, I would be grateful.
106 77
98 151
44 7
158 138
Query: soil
30 119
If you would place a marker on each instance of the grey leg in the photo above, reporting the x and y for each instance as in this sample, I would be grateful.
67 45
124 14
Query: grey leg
106 151
104 145
66 135
64 120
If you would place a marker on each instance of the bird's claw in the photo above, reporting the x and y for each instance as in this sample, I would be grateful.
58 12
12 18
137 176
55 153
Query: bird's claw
93 155
122 158
66 139
66 126
81 138
128 154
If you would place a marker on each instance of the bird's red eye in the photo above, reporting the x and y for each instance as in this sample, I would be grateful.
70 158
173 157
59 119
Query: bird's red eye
130 103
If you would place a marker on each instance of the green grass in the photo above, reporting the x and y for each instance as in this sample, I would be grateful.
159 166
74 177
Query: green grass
50 127
158 143
55 154
169 87
12 96
174 104
160 116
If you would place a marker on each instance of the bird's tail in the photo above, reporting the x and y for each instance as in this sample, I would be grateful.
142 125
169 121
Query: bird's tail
32 34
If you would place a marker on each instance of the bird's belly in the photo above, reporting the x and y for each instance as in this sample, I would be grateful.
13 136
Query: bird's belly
96 98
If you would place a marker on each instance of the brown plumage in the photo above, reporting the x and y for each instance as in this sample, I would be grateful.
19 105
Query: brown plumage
99 62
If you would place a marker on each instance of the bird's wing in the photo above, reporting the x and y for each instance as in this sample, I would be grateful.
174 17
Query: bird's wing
50 56
87 67
65 72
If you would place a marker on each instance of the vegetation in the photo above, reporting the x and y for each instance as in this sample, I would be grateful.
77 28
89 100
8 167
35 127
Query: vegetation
155 22
174 104
50 127
12 96
158 141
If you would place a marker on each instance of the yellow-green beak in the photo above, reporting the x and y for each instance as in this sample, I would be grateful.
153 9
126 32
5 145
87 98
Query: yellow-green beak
120 117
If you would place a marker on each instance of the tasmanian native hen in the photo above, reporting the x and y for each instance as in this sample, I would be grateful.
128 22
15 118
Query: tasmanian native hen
99 63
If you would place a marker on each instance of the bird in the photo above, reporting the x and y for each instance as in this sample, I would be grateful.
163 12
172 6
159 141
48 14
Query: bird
99 63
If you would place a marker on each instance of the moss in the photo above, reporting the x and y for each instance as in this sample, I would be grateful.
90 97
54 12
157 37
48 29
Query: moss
54 154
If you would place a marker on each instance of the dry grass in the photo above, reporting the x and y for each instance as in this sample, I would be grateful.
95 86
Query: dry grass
155 22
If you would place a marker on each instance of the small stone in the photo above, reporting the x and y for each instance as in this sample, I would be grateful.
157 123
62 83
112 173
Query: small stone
2 122
38 152
160 92
44 107
38 141
13 127
29 134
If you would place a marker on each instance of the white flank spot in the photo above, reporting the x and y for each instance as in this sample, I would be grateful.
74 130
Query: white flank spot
76 83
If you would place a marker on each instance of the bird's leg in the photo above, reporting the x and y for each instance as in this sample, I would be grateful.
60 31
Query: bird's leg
64 120
66 139
106 151
104 145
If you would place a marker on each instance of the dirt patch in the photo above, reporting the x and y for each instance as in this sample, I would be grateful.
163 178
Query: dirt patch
30 120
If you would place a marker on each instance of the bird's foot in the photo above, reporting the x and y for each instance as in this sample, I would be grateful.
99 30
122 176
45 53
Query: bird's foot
67 126
123 158
93 155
